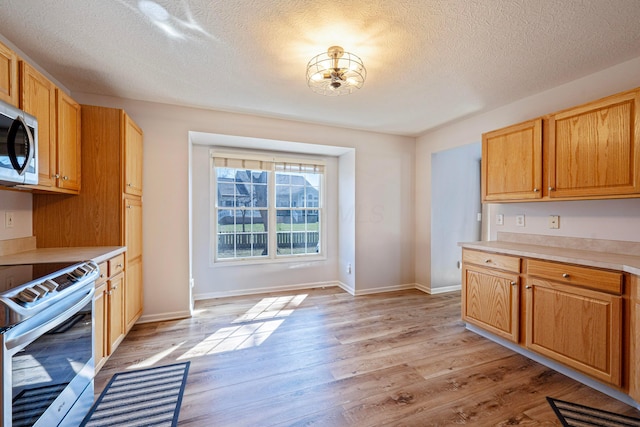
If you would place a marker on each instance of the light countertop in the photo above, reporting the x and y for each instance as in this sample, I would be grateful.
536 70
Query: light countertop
43 255
608 260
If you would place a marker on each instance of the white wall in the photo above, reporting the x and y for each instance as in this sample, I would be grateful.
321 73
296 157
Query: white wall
384 188
20 205
615 220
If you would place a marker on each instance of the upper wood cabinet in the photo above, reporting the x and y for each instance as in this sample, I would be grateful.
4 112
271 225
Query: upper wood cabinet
594 149
9 76
38 98
512 162
58 115
68 142
132 157
587 152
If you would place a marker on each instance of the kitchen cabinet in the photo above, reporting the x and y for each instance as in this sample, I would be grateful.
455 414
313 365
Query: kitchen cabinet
572 314
109 215
577 326
512 162
68 158
59 157
9 76
38 98
133 235
109 310
594 149
490 293
132 157
591 151
634 344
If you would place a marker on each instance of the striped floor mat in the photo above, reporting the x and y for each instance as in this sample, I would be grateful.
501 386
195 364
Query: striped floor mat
148 397
574 415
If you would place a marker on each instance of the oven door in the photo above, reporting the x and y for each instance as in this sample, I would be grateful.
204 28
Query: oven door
50 360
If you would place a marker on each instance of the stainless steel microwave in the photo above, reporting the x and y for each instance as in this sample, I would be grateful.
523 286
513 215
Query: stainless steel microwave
18 146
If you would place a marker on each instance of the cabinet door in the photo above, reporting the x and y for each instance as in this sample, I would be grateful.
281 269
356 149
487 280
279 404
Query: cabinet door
594 150
133 227
578 327
68 142
38 98
132 157
490 299
512 162
134 294
9 76
100 326
116 312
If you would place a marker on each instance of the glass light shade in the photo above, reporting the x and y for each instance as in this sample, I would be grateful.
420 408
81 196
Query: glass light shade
335 72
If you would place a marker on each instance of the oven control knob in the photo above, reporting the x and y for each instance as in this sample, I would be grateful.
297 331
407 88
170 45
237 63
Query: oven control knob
40 290
79 272
49 284
27 295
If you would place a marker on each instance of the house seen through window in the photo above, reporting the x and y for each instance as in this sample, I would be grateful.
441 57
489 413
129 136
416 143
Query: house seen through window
266 209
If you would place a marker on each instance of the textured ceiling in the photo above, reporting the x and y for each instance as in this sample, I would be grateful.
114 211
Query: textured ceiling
428 62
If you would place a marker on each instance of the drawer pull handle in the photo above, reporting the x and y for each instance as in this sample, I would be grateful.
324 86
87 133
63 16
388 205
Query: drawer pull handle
527 287
513 283
565 275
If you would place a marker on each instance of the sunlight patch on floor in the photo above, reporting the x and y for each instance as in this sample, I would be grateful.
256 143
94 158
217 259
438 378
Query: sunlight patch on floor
151 361
249 330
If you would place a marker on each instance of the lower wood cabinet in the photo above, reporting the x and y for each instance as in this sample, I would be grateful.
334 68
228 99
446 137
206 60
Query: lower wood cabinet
109 309
491 300
578 327
586 318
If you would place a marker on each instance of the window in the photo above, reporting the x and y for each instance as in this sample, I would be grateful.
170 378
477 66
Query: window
266 209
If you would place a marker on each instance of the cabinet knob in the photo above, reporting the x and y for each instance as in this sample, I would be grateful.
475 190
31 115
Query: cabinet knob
551 189
65 177
129 207
513 283
114 287
102 275
130 184
120 265
565 275
487 260
528 287
56 176
535 190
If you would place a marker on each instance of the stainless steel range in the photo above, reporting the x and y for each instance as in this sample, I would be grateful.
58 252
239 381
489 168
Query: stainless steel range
46 328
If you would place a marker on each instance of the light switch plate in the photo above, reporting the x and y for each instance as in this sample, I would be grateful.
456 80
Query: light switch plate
500 219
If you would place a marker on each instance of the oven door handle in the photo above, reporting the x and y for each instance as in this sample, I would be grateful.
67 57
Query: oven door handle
28 331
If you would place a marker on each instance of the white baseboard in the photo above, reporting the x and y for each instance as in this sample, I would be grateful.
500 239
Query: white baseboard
440 290
164 316
254 291
384 289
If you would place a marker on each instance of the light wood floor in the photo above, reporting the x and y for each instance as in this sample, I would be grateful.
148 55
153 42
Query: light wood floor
322 357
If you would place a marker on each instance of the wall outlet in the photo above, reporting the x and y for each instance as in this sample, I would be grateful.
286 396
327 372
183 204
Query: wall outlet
554 221
500 219
520 220
8 219
349 268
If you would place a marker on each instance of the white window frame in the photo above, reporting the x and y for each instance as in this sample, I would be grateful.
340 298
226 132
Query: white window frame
272 256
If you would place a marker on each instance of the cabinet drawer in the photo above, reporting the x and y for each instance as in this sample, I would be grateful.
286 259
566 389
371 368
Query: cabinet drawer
104 273
503 262
601 280
116 265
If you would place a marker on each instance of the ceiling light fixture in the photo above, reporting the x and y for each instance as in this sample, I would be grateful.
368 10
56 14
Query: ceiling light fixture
335 72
